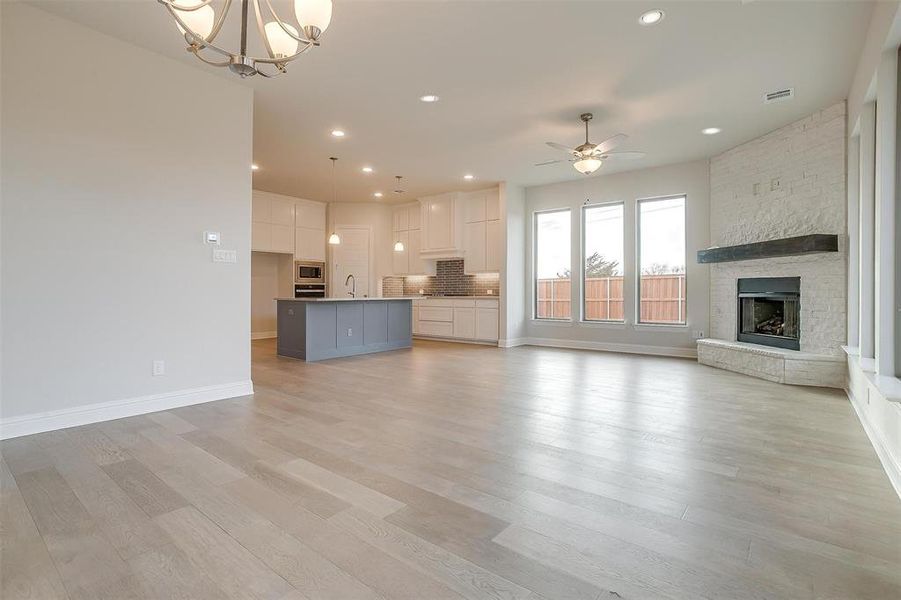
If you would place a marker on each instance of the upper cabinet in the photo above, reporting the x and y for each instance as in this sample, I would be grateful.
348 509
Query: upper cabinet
309 231
287 225
482 244
273 223
406 230
441 226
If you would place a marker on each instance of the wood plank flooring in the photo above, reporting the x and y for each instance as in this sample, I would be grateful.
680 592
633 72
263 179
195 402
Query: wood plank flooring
456 471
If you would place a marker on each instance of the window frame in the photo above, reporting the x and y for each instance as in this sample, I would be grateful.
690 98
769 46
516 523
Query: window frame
637 304
535 215
583 257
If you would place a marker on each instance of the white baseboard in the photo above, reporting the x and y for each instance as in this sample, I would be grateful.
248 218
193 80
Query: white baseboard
891 466
607 347
511 343
263 335
117 409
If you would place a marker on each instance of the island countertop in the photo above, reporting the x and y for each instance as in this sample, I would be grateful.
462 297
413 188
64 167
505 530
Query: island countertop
348 299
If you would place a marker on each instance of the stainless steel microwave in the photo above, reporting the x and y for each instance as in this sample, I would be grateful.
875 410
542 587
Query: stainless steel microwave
308 271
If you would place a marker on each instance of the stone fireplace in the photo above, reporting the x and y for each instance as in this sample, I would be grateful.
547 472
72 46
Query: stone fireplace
781 318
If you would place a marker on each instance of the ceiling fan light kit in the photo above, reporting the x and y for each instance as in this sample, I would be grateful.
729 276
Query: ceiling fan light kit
587 158
198 22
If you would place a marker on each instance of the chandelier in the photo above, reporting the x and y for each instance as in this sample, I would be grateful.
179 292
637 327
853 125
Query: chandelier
199 23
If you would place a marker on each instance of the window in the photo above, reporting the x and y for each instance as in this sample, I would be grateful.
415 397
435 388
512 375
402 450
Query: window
661 260
603 267
552 265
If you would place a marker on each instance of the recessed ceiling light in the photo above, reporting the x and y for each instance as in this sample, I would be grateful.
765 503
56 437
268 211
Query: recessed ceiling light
429 98
254 167
337 133
651 17
711 130
367 169
378 194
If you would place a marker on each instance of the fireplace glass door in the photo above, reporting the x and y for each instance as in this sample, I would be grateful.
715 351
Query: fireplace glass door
769 312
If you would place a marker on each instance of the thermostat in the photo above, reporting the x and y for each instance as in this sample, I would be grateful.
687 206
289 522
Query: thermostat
211 237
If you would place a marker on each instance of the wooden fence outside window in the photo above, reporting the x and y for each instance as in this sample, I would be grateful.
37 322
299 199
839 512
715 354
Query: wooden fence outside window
662 298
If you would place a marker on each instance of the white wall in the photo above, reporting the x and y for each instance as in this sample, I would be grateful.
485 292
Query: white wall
378 218
513 269
873 385
271 276
690 179
105 198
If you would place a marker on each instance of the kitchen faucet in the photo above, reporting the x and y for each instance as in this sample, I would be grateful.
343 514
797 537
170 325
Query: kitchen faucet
353 290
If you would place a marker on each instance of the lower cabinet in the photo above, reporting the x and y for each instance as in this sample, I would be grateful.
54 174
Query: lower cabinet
470 319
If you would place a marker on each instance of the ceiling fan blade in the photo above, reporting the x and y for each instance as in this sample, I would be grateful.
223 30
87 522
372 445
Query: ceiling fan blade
557 146
623 155
610 143
549 162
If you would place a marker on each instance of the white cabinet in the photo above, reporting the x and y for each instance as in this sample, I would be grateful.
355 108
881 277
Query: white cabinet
465 319
401 258
309 231
493 246
439 226
309 244
272 221
288 226
482 249
465 323
486 323
417 266
310 215
405 225
260 236
474 247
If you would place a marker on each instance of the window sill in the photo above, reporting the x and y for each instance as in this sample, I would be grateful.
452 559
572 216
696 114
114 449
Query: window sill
552 322
604 324
653 326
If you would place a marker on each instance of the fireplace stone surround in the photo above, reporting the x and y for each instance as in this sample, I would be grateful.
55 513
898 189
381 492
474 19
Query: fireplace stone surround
787 183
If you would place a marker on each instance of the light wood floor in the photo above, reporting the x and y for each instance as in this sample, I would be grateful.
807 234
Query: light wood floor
456 471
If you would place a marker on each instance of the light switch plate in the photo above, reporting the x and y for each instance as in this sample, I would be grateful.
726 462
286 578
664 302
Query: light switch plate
211 237
225 256
159 368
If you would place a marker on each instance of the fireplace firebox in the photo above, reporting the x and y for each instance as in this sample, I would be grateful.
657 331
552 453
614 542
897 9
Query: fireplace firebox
769 311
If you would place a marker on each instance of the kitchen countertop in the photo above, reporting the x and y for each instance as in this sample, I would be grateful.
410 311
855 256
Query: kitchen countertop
347 299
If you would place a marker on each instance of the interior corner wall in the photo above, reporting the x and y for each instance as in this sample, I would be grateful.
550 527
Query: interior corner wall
105 201
513 271
691 179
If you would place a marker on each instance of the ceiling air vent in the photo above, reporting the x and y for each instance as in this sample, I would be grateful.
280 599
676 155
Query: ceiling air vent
779 96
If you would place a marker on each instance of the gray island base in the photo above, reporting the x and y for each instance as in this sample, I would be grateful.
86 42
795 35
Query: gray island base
319 328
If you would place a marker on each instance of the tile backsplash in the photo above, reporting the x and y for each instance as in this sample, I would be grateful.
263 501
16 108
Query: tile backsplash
449 280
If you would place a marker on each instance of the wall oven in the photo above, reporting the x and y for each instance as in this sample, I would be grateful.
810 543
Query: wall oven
309 290
309 272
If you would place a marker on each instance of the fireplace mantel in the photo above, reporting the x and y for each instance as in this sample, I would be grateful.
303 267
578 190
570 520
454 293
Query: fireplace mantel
803 244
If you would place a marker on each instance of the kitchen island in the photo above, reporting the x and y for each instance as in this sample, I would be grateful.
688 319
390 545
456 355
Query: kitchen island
319 328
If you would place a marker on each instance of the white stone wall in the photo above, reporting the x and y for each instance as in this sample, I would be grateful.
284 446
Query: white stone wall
786 183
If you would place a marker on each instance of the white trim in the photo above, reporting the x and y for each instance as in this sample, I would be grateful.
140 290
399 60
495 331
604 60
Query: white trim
608 347
263 335
892 468
12 427
511 343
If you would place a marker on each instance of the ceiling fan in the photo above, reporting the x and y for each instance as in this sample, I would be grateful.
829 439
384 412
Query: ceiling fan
588 157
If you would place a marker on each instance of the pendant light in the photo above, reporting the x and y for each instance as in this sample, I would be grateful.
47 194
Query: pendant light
398 245
333 239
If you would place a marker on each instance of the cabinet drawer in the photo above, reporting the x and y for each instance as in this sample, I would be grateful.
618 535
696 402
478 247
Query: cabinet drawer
436 313
486 304
436 328
464 303
438 302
